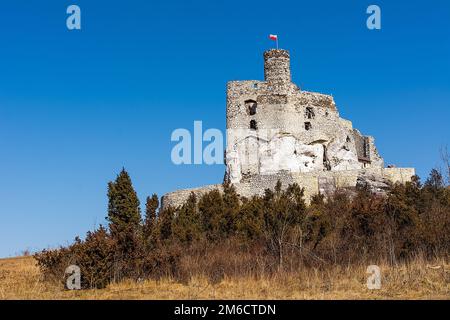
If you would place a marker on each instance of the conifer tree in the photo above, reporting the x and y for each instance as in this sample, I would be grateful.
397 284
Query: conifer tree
164 223
211 208
124 213
187 224
250 219
123 207
151 205
282 211
231 207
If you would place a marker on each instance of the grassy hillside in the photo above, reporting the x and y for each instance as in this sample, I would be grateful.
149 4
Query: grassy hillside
21 279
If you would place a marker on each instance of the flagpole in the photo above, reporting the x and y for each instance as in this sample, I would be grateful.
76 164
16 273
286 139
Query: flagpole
277 42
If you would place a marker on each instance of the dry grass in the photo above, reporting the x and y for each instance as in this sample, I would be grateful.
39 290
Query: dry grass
21 279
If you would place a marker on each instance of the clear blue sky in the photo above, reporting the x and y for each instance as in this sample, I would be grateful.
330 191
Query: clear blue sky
76 106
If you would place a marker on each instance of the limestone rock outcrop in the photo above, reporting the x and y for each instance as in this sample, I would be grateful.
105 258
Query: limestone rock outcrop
375 184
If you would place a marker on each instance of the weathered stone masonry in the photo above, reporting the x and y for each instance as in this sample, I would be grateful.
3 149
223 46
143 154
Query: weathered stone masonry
275 131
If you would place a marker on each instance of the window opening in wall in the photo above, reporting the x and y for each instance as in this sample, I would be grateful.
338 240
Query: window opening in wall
309 113
308 125
366 150
251 106
253 125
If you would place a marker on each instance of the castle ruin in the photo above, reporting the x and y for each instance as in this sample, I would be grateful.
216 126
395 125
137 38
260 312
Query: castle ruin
277 132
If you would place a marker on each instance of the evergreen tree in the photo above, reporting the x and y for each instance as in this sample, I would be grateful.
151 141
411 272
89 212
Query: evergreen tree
403 220
151 205
186 225
250 219
164 223
231 207
283 210
124 214
211 210
123 206
317 224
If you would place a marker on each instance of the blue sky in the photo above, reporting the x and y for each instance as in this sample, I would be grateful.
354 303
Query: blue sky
77 106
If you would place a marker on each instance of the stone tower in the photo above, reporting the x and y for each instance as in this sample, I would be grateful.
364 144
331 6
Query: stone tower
277 66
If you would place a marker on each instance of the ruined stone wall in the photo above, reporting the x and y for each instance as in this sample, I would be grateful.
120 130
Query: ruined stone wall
273 126
324 182
177 198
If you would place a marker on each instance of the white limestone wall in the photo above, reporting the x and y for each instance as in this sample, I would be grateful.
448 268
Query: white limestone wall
281 141
312 182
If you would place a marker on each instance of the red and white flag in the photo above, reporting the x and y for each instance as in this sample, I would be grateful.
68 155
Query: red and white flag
274 37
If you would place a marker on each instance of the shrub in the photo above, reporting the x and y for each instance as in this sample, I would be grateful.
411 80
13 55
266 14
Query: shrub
94 256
